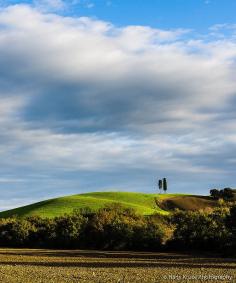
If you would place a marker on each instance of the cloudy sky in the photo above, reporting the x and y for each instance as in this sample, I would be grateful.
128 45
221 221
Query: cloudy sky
108 95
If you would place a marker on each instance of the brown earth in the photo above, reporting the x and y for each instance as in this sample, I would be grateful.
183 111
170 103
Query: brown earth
57 266
187 203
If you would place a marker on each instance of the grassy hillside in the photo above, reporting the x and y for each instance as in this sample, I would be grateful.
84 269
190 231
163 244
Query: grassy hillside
142 203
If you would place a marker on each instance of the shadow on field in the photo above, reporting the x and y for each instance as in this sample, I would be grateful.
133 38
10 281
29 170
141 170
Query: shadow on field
97 254
118 264
111 259
115 254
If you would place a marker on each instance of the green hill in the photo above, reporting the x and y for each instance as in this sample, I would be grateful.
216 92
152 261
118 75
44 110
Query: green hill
142 203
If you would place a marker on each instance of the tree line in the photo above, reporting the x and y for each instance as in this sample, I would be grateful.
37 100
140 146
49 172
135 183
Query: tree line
226 194
117 228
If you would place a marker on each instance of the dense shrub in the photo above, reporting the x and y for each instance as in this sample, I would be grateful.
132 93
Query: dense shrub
149 236
231 225
112 227
69 230
43 234
200 229
115 227
15 232
119 228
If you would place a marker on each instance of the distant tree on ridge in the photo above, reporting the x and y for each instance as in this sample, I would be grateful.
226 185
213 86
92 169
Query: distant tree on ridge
164 185
160 185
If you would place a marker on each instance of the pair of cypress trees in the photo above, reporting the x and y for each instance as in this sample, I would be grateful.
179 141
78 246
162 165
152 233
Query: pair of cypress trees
162 184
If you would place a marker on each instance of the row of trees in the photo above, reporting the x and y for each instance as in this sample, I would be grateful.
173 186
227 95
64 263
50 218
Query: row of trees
115 227
162 185
201 230
112 227
226 194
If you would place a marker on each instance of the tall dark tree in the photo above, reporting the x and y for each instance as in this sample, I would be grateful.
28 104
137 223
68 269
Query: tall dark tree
228 194
215 193
160 185
164 185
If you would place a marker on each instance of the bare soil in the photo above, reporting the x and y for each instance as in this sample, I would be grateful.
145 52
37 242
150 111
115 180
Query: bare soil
31 265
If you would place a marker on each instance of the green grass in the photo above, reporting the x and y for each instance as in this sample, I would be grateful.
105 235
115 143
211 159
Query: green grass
142 203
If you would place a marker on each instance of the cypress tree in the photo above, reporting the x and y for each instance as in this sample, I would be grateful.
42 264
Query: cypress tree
164 185
160 185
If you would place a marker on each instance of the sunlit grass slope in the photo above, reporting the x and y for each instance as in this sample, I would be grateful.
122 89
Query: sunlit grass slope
142 203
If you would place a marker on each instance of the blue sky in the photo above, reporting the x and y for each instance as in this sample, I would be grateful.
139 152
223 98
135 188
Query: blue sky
195 14
112 95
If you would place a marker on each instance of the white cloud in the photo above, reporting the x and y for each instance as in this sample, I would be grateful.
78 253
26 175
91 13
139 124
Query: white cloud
50 5
61 5
79 94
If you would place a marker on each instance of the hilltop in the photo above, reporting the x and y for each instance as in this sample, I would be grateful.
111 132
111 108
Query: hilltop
145 204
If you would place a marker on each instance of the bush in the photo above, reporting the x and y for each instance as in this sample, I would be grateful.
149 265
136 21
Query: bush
200 230
112 227
230 222
68 230
118 228
44 234
15 232
149 236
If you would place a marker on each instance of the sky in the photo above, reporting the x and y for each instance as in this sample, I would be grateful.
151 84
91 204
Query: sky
114 95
